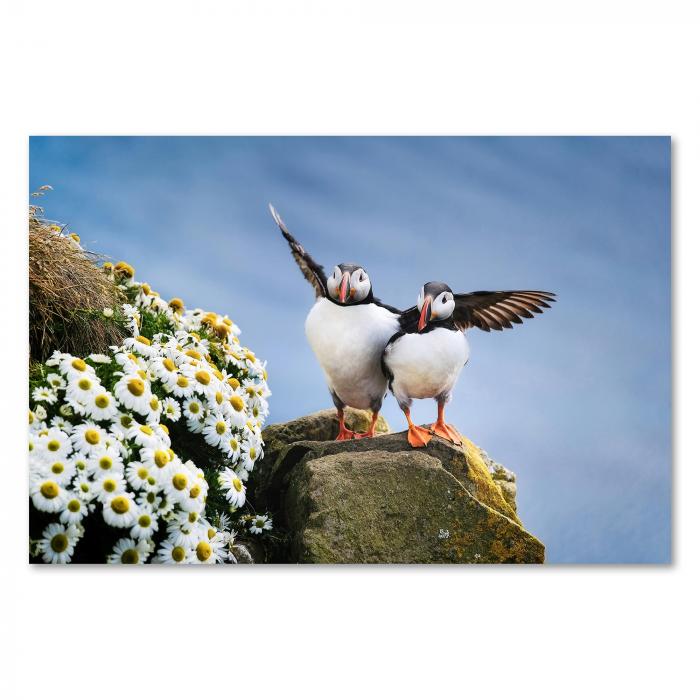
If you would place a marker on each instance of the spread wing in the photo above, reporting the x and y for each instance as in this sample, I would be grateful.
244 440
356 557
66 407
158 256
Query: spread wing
498 310
311 270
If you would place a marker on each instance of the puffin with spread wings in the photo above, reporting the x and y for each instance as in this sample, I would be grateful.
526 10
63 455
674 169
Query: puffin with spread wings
425 357
348 329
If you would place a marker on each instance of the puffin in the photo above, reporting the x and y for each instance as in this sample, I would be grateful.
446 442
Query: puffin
424 359
348 329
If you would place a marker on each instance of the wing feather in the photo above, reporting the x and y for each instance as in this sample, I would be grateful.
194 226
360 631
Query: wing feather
498 310
312 271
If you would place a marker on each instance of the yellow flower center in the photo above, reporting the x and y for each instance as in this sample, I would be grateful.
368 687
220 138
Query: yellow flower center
59 543
252 452
178 554
130 556
144 520
171 453
142 472
142 374
237 484
142 339
78 364
53 446
195 491
192 517
73 505
176 304
109 485
202 376
120 505
217 374
84 383
102 401
237 402
203 551
92 437
146 288
234 444
57 468
169 364
105 462
182 382
49 489
164 428
146 430
136 387
80 465
220 427
194 407
194 354
249 356
125 421
84 488
233 383
160 457
153 403
179 481
218 397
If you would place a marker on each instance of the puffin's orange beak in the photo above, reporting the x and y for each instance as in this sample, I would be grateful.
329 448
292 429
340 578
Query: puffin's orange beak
425 314
343 291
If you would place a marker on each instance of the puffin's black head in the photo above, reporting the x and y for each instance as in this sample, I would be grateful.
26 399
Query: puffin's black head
348 284
436 302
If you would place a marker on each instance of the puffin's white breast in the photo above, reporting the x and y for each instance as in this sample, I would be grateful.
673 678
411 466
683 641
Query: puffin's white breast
348 342
425 365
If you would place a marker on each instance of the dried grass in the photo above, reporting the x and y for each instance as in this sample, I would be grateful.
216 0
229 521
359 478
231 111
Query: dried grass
67 293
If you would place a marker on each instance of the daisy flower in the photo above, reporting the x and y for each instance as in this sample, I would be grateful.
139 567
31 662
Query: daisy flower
48 495
101 406
120 510
58 543
45 394
56 443
231 448
143 435
216 430
107 486
183 533
233 487
193 409
56 381
165 369
172 553
141 345
139 477
40 412
62 424
99 358
128 551
74 511
61 471
209 551
145 525
133 393
75 367
260 523
88 437
171 409
83 488
157 457
154 409
66 410
105 460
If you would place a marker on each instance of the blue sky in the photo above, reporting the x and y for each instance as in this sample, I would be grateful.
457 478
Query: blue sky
577 401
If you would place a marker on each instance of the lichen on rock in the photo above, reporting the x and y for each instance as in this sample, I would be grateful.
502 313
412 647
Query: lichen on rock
379 501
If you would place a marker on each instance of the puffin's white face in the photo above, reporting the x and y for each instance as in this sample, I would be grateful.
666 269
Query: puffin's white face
435 302
349 284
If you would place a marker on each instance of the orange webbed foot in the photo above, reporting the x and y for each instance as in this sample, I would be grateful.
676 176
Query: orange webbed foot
418 437
447 432
345 434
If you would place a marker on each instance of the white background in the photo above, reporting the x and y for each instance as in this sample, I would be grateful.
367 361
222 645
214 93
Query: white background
351 68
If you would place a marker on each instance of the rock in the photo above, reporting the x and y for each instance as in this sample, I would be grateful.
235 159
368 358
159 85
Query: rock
377 500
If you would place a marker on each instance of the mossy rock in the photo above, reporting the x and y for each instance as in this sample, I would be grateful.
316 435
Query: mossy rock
380 501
